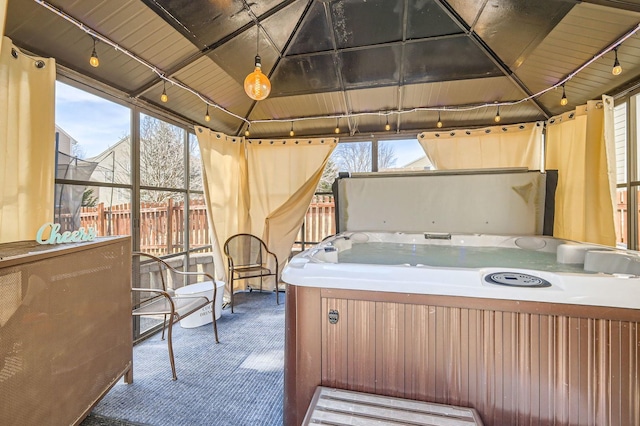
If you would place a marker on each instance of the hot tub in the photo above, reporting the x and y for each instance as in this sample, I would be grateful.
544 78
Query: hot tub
533 268
521 328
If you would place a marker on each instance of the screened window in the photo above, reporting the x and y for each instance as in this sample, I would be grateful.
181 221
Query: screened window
402 155
93 155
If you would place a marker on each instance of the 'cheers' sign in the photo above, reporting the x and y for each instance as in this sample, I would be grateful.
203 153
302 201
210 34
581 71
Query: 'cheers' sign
55 237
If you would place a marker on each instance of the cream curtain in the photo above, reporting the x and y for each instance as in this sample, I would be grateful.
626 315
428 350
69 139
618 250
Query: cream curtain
580 146
226 190
283 177
3 16
492 147
259 187
27 149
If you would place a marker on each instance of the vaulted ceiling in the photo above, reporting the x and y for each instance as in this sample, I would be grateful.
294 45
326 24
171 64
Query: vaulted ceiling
365 61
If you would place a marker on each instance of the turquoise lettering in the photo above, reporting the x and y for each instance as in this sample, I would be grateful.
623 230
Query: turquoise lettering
55 237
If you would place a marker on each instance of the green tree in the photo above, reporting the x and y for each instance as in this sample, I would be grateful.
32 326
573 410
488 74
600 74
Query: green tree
89 199
329 175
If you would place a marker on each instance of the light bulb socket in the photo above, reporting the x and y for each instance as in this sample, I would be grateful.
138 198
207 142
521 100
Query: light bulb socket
94 61
164 97
564 100
258 61
617 69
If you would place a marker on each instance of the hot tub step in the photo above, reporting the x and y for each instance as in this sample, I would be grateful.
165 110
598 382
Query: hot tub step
341 407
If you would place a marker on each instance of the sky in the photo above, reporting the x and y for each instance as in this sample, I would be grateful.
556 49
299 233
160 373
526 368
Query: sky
407 151
93 121
98 124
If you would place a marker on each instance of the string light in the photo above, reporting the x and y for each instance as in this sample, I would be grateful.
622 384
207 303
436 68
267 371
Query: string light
497 117
464 108
94 61
164 97
246 132
387 126
291 132
337 129
564 100
617 68
439 123
207 117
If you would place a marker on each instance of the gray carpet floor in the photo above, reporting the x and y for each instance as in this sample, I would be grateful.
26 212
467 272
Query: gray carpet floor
236 382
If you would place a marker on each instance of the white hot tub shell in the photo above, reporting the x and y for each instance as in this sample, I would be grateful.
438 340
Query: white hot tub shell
578 273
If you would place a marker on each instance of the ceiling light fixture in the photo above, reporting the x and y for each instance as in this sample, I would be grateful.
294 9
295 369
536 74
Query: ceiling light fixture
439 123
164 97
337 129
387 126
94 61
497 117
246 132
291 132
257 85
564 100
207 117
617 68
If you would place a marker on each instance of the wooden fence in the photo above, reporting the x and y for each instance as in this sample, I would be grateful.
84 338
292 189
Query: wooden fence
162 224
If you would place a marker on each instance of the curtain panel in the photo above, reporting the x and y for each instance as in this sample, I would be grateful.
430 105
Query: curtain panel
27 148
226 190
518 145
3 17
580 145
261 187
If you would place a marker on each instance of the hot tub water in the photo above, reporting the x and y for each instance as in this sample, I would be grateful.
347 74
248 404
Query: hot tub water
382 253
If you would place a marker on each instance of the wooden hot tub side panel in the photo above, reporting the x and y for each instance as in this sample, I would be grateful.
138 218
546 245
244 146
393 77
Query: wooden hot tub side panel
302 351
515 362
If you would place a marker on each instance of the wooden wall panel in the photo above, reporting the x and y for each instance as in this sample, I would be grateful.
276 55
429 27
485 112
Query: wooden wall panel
513 367
361 353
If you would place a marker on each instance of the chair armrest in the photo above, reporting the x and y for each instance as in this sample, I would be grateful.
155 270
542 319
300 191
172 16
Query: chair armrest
159 293
152 290
276 260
171 268
190 273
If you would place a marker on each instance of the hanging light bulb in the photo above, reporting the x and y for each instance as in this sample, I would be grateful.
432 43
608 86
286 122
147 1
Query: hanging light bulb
439 123
291 132
617 68
337 129
387 126
564 100
257 85
164 97
497 117
94 61
207 117
246 132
